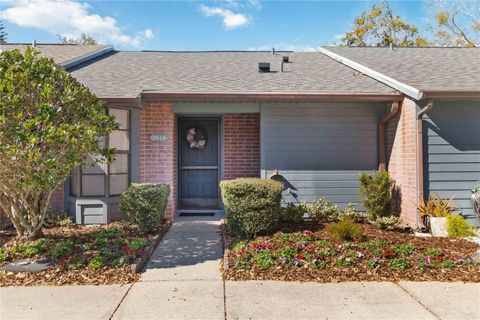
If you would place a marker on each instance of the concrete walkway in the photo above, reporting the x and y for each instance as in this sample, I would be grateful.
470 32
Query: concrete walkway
182 281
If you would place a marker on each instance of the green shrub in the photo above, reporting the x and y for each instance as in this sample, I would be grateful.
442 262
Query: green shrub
374 244
399 263
239 246
345 230
376 191
447 264
323 210
388 223
251 205
76 263
144 204
61 250
433 252
403 249
265 260
351 212
293 213
43 244
3 255
26 250
137 244
96 262
344 262
457 227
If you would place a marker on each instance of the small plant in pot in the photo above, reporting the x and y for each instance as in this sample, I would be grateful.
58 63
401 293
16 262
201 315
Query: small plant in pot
476 199
437 209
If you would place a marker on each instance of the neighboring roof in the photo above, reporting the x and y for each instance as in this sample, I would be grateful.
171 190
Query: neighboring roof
433 71
127 74
66 55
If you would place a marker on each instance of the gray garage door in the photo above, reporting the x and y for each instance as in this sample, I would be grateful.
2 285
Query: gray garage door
452 152
321 148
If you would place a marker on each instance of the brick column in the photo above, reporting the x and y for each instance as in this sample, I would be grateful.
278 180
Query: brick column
401 158
158 160
57 200
241 145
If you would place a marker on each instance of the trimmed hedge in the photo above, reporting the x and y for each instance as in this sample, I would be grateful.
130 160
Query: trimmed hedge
144 204
251 205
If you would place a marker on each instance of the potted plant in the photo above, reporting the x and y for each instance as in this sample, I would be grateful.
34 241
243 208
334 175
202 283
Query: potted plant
436 210
476 199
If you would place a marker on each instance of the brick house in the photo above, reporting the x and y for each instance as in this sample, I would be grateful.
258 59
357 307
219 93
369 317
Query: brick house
319 119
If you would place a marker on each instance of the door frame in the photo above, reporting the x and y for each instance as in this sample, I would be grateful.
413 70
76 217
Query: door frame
220 175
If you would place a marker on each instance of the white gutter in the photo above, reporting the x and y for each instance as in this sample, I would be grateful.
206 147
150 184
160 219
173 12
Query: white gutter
89 56
400 86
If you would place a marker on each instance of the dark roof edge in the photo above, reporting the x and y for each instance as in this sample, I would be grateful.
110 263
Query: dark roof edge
445 95
268 96
400 86
86 57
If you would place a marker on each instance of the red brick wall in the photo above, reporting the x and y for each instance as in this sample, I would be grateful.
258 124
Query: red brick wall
158 160
241 145
57 201
401 155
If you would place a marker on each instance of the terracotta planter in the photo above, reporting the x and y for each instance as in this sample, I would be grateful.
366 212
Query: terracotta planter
438 226
476 202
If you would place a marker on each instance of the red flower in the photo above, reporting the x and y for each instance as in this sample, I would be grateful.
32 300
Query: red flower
300 257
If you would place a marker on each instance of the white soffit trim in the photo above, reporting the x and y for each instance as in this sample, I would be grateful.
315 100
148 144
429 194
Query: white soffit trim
400 86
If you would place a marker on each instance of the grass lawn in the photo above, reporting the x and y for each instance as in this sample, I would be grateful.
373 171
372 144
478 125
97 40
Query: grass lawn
81 255
378 255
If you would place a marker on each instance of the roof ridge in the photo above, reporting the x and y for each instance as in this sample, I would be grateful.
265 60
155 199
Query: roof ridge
394 48
52 44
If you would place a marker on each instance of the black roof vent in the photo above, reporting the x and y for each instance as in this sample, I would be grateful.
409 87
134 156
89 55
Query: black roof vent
264 66
285 59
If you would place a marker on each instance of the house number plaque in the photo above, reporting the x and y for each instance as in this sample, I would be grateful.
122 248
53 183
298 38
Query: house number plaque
158 137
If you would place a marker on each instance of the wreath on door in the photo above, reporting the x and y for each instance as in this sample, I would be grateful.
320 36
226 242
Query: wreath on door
196 138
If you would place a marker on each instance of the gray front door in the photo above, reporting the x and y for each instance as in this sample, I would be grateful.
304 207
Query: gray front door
198 152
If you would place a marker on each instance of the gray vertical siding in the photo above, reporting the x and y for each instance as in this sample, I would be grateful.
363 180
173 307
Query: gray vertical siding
321 148
452 152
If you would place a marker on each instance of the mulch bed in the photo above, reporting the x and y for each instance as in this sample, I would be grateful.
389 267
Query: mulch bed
112 242
374 258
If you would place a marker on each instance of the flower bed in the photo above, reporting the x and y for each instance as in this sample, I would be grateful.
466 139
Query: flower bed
80 254
379 256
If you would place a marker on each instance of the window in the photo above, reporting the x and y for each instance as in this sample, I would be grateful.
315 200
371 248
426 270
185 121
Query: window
120 140
92 181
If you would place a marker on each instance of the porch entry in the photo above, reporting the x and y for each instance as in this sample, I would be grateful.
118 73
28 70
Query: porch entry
198 163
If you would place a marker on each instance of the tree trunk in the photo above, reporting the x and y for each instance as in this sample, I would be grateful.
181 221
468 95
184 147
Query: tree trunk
27 211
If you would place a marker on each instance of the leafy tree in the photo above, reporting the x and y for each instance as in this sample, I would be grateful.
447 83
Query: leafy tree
83 39
455 23
3 34
381 27
49 123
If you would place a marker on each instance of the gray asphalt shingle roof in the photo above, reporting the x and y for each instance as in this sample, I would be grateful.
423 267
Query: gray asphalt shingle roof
126 74
60 53
427 69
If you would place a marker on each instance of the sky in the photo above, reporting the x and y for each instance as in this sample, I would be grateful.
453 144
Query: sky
193 24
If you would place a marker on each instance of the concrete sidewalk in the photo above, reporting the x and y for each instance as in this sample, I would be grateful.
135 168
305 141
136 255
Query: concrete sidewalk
198 299
352 300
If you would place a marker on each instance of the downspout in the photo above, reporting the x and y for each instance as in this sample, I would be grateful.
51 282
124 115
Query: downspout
381 134
419 143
